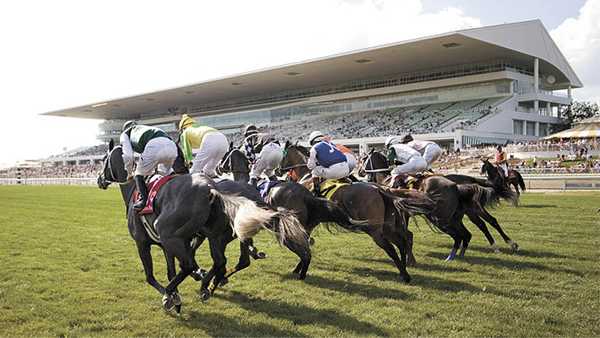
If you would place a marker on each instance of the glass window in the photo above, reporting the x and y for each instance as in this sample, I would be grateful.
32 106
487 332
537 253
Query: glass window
517 127
530 128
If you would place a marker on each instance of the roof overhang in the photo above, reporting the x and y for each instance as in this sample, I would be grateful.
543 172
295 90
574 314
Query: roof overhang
520 43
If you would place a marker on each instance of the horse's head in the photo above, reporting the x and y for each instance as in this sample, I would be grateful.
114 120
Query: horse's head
491 171
234 161
293 155
179 165
113 169
374 163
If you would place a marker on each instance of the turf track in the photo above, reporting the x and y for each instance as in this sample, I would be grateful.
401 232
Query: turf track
69 267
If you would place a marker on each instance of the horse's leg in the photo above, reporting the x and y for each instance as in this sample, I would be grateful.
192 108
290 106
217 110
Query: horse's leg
382 242
170 275
494 223
400 241
253 250
182 250
217 252
466 236
243 262
305 257
410 257
195 244
146 257
452 231
474 217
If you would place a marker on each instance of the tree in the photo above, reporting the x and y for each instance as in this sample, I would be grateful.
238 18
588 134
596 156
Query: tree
576 112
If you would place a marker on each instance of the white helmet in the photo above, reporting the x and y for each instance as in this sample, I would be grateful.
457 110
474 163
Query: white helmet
390 140
312 138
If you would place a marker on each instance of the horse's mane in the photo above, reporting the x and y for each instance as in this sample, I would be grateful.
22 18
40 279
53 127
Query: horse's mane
303 150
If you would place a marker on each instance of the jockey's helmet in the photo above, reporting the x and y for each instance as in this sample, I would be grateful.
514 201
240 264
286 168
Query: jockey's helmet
129 124
315 136
391 140
250 130
407 138
186 121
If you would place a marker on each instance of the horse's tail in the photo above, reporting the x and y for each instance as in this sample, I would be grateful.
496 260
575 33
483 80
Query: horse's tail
411 201
520 180
247 219
327 212
483 196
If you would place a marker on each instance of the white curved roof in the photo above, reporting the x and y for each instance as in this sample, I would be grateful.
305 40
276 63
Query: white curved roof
520 43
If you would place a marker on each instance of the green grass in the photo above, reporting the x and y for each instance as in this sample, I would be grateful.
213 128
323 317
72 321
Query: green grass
69 268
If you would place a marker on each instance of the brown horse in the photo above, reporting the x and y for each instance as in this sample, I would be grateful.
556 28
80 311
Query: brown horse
387 214
489 195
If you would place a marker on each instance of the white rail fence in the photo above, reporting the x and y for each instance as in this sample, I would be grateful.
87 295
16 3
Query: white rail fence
48 181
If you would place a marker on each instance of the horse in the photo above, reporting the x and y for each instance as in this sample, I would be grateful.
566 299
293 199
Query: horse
385 213
493 173
310 210
477 213
185 207
375 167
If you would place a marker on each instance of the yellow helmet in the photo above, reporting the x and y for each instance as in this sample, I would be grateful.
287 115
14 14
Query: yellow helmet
186 121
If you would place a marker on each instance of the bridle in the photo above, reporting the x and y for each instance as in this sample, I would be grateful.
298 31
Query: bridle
291 169
108 165
369 161
227 160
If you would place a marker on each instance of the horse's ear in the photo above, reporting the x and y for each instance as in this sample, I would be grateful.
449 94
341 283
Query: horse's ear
287 144
296 143
371 151
230 145
111 144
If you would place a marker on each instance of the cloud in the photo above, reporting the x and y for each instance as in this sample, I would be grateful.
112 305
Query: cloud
579 40
61 53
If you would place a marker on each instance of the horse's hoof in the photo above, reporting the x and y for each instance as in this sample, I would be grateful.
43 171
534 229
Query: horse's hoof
405 278
204 295
168 302
224 281
450 257
514 246
176 298
260 255
178 309
311 241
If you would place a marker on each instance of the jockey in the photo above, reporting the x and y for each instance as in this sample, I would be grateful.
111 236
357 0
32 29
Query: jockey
325 160
430 151
263 151
411 160
501 160
156 149
210 145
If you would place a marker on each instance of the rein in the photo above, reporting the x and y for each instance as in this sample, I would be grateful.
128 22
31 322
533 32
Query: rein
373 171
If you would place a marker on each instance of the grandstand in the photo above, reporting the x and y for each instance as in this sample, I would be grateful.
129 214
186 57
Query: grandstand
495 84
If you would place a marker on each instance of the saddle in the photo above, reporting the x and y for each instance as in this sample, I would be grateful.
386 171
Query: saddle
413 182
329 187
154 184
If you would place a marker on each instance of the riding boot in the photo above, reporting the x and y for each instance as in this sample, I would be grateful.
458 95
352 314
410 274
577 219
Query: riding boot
142 190
352 178
253 181
316 186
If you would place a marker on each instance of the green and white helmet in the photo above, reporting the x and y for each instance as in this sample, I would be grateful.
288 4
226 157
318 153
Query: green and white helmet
129 124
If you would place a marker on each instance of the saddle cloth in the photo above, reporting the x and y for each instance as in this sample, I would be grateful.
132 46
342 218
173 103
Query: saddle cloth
154 184
329 187
264 187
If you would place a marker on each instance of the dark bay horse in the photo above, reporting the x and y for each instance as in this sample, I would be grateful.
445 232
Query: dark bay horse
476 210
185 207
310 210
385 213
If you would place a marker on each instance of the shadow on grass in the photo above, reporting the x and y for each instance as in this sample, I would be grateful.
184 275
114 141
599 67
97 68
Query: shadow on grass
537 206
219 325
522 252
510 264
419 266
367 291
302 315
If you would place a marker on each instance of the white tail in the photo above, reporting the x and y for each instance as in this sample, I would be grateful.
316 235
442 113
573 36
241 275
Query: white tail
247 219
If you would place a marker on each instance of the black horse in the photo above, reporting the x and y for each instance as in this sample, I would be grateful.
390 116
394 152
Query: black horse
477 212
385 213
310 210
185 207
493 174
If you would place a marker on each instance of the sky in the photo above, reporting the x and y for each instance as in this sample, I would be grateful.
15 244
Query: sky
59 54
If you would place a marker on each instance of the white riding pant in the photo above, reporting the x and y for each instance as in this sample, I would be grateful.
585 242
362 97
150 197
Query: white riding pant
214 147
160 153
267 161
336 171
414 165
432 153
351 159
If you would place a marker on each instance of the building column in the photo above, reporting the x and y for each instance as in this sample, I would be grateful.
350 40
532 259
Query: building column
537 129
569 93
548 109
536 75
525 127
536 107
